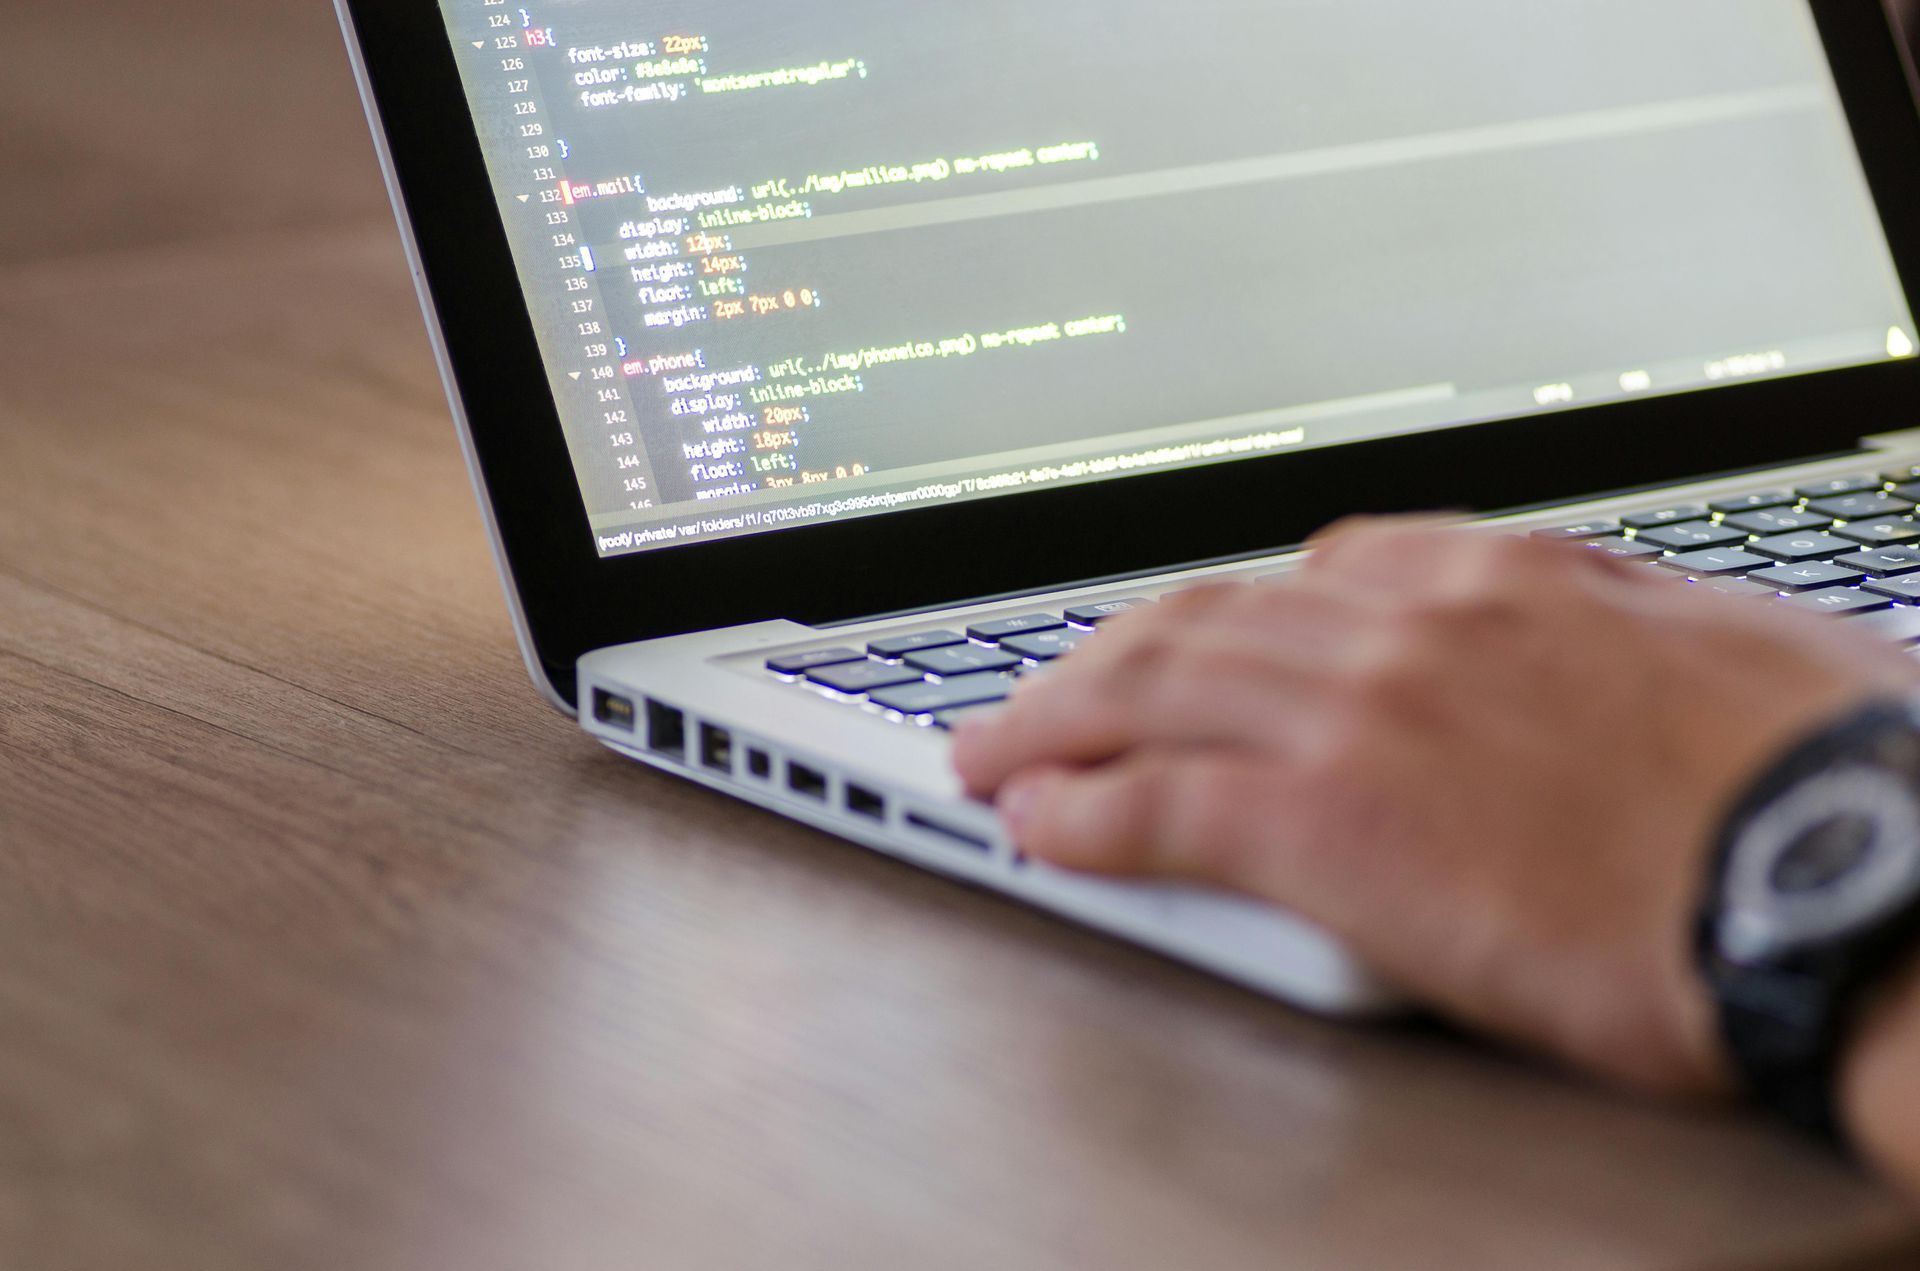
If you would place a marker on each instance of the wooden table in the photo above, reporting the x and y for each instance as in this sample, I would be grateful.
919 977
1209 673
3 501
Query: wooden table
324 944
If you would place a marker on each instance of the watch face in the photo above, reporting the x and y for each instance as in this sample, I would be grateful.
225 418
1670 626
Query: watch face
1834 854
1823 854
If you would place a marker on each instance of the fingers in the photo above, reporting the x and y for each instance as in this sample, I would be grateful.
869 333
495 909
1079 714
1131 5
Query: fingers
1193 814
1248 665
1238 667
1306 621
1437 556
1351 529
1211 688
1383 551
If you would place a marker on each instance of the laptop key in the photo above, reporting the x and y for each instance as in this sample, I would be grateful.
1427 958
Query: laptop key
1884 562
1690 536
1860 507
863 677
1094 615
1755 502
1905 588
1625 548
1902 625
1908 488
1863 484
801 663
1840 601
1799 547
1716 561
1771 521
1879 533
950 720
1044 646
897 647
962 659
993 632
1739 587
1810 576
947 695
1581 532
1665 516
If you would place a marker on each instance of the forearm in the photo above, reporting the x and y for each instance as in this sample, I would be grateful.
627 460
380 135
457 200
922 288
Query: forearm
1880 1082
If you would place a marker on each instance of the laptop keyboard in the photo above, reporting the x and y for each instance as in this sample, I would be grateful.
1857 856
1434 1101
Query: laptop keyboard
1848 547
937 677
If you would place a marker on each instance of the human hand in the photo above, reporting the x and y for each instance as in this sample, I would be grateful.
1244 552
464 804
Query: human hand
1492 765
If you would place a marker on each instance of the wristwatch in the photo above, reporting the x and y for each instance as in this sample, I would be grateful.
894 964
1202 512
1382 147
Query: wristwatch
1814 900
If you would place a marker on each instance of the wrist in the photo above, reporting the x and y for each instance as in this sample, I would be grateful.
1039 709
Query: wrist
1814 915
1877 1075
1706 1066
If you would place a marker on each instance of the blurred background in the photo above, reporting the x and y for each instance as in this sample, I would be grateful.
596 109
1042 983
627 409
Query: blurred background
147 123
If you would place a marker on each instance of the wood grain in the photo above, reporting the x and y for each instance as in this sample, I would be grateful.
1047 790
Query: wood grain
324 944
124 123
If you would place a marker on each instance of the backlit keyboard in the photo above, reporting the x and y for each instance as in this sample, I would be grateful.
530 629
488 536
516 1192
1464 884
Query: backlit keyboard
1849 547
938 677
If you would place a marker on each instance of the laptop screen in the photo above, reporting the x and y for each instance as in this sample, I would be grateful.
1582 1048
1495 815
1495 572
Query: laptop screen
828 259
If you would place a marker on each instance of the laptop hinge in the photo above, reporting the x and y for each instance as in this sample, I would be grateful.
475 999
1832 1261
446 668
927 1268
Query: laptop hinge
1868 446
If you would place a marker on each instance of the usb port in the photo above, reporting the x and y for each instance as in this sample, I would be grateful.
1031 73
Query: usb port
666 730
806 781
613 710
716 748
864 802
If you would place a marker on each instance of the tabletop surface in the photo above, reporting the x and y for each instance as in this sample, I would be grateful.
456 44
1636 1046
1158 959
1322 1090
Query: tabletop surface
325 944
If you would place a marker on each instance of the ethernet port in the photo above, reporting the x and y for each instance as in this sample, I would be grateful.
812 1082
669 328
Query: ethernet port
716 748
666 730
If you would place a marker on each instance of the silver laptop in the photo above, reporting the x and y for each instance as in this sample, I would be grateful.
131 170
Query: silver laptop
826 367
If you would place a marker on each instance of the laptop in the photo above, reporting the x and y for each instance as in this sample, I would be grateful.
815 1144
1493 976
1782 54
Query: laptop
827 367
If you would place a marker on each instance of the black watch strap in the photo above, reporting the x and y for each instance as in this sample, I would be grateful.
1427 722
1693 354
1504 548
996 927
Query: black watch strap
1787 1035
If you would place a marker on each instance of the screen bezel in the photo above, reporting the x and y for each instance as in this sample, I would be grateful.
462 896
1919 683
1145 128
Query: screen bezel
573 601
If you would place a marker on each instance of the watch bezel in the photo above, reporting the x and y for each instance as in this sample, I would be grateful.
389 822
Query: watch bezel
1760 924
